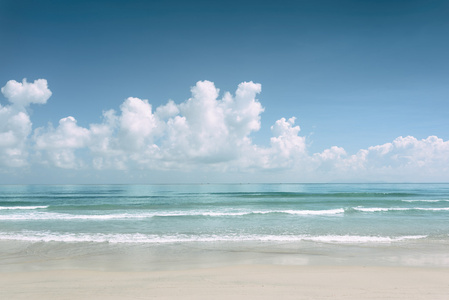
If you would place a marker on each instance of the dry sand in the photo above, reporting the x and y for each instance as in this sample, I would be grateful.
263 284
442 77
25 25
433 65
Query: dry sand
233 282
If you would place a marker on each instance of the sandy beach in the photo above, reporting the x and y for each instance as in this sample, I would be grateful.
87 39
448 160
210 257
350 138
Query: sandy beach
225 242
232 282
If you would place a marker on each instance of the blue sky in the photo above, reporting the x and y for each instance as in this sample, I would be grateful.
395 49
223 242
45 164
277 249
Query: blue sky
354 74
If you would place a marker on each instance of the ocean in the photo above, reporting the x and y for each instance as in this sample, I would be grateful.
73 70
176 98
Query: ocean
180 226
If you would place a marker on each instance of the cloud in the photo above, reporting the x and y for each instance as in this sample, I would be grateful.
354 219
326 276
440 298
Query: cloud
285 141
24 93
15 126
204 133
409 152
59 145
203 130
138 125
15 123
404 159
211 130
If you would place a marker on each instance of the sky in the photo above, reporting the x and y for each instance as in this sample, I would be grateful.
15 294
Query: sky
224 91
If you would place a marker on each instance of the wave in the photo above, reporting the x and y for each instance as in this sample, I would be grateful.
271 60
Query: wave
315 195
23 207
37 215
386 209
430 201
31 236
355 239
305 212
62 216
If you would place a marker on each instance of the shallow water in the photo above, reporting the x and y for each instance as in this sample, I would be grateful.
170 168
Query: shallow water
166 226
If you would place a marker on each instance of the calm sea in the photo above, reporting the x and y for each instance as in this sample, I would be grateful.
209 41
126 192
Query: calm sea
388 223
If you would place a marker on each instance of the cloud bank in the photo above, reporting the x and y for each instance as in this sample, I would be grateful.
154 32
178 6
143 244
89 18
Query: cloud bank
15 123
204 133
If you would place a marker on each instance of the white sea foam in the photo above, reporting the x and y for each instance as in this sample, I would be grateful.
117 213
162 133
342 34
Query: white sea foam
32 214
377 209
430 201
384 209
315 212
123 216
31 236
60 216
23 207
213 214
243 213
355 239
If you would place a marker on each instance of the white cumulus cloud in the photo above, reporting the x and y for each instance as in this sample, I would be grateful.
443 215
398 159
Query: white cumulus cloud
286 142
24 93
404 159
15 123
202 130
59 145
206 132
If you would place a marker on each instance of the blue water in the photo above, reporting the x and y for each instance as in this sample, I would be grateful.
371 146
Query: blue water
316 215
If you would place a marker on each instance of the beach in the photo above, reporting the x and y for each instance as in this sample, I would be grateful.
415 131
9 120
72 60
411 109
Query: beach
297 241
232 282
55 270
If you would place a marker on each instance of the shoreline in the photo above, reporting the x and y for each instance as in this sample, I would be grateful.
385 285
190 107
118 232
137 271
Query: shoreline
103 271
25 256
57 270
231 282
225 242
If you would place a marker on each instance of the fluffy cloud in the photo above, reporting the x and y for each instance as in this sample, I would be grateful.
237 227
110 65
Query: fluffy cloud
15 124
406 158
410 153
24 93
59 144
138 125
286 143
205 132
212 130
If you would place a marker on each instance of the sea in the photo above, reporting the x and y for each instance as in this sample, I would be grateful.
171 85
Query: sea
154 227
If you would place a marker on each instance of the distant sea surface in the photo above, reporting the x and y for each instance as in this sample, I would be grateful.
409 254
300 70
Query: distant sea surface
406 224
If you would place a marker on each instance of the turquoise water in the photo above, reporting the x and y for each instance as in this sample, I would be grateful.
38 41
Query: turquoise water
392 217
